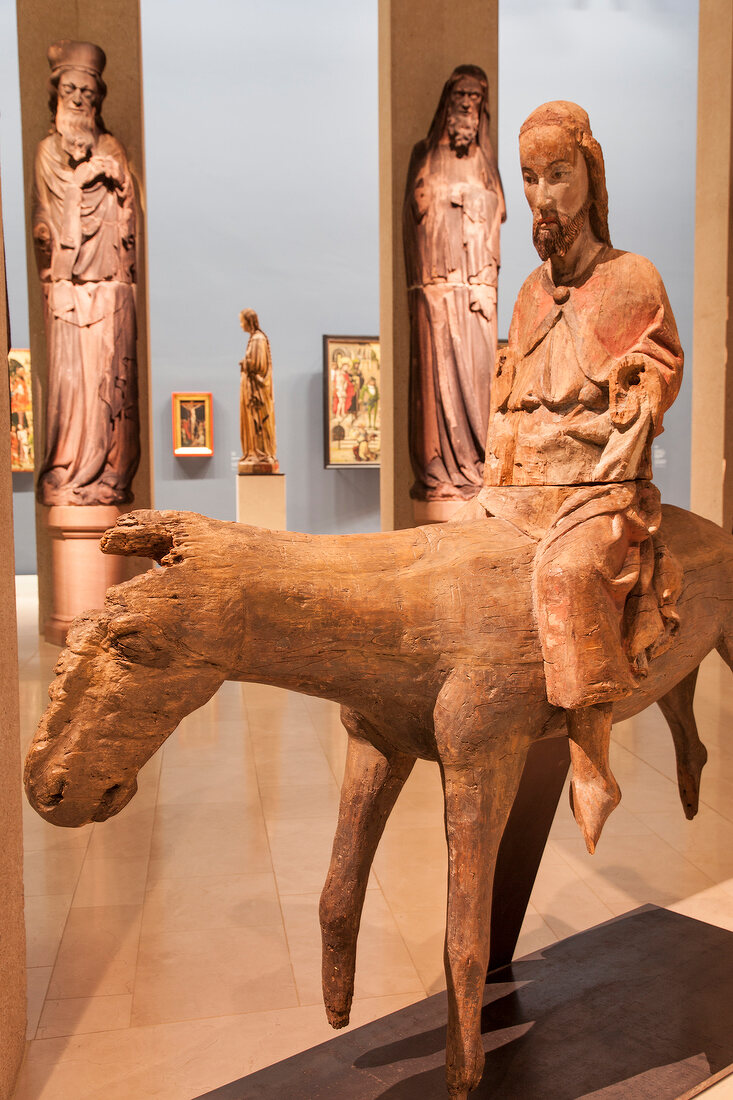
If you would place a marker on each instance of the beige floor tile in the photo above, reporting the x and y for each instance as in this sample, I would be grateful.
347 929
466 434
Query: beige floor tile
37 979
225 708
300 854
41 836
567 903
629 871
127 835
52 871
334 743
281 730
411 866
45 917
286 747
722 1091
423 931
284 765
190 975
288 800
713 906
420 802
535 934
211 902
621 822
180 1060
187 785
208 743
98 953
113 881
271 698
383 964
83 1015
208 839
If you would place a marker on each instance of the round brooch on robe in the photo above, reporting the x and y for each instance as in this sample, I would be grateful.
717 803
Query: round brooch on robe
561 294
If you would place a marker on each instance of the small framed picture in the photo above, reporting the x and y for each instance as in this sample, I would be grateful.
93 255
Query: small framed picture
352 413
21 410
193 424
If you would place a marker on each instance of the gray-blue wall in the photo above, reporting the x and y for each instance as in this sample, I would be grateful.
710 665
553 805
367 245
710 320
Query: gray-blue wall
633 65
261 136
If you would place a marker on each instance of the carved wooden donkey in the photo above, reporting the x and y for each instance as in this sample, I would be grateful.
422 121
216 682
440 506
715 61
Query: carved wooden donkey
548 608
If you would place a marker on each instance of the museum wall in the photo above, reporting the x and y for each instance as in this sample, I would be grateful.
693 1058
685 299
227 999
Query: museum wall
633 66
261 145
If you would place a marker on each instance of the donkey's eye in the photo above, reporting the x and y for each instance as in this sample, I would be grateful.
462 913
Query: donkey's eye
139 649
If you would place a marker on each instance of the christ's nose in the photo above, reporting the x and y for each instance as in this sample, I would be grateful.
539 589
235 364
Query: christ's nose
545 202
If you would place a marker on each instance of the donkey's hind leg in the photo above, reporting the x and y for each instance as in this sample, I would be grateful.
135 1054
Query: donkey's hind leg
676 706
372 782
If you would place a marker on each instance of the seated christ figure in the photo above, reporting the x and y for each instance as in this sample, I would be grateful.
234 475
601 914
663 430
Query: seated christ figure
593 362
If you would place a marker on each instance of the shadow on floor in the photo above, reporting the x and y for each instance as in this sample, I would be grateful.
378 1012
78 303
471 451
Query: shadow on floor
639 1008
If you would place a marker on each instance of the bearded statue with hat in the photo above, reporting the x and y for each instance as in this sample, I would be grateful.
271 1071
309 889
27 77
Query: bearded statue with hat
84 234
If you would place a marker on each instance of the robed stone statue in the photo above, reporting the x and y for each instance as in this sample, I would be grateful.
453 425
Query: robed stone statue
257 403
84 234
453 210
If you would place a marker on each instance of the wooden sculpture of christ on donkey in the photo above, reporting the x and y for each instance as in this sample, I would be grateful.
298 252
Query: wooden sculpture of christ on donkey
593 362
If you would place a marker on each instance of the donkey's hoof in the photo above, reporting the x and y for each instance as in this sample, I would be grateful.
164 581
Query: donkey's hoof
337 1019
461 1082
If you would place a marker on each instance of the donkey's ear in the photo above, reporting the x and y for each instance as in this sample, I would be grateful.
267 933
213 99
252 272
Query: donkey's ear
144 534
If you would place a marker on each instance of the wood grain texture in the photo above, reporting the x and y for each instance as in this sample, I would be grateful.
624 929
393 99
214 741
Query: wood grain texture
428 640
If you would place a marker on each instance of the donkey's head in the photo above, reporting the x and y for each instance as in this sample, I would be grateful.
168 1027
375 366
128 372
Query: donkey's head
129 674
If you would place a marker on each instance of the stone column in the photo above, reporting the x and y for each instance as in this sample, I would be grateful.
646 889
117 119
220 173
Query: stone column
712 379
12 927
115 26
420 43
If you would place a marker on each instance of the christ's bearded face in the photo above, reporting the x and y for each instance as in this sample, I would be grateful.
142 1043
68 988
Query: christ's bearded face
76 112
464 109
556 185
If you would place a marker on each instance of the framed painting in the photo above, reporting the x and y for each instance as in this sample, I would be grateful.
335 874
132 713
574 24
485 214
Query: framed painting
352 413
193 424
21 410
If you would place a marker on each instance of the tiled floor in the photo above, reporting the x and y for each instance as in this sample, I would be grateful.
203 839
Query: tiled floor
176 947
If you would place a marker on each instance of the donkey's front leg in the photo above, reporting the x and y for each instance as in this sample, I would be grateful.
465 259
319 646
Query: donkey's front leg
479 793
372 782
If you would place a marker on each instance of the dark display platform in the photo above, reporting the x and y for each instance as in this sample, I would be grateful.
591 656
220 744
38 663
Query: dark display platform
639 1008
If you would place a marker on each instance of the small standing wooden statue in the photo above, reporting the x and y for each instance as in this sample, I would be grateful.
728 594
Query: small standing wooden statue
257 404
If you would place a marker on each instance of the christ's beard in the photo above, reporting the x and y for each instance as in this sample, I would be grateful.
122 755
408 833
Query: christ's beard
462 130
556 238
77 131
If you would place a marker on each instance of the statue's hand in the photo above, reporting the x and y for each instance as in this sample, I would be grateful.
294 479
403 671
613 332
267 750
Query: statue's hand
42 243
96 168
113 170
42 234
482 299
588 427
625 389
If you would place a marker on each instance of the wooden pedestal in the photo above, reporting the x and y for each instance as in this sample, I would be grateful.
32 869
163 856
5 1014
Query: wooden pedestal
81 572
261 500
